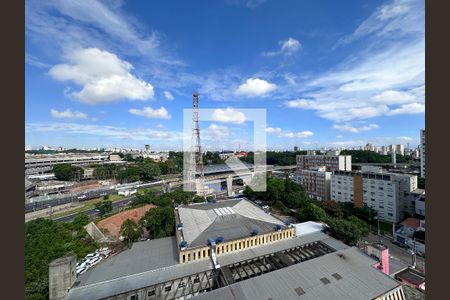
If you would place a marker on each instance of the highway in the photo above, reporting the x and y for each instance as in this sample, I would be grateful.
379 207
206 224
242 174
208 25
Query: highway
93 212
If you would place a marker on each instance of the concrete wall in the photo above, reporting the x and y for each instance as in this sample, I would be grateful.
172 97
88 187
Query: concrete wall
62 275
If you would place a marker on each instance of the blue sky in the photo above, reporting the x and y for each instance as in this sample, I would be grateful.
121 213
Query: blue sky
119 73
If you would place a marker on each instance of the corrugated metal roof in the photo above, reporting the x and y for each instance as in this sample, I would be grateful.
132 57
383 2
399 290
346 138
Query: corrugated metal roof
137 267
359 280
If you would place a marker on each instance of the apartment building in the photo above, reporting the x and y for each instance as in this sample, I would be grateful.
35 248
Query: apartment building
384 192
330 162
316 182
422 152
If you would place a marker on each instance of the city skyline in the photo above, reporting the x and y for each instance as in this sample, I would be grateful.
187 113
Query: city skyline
119 74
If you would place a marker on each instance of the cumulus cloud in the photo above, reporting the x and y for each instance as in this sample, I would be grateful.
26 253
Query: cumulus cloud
168 95
104 131
390 97
104 77
350 128
228 115
289 134
408 109
148 112
254 87
287 47
215 131
67 114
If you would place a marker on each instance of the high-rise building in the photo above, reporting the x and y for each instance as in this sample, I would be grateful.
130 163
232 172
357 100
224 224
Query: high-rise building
422 152
383 150
330 162
400 149
316 182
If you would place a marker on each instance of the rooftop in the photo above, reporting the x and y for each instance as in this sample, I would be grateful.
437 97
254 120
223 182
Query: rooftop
230 219
156 261
411 222
345 274
412 276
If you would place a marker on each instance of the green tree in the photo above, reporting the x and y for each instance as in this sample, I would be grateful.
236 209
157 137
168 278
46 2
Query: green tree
311 212
198 199
362 226
332 208
148 170
280 207
347 231
80 220
143 198
168 167
67 172
131 231
46 240
159 221
104 207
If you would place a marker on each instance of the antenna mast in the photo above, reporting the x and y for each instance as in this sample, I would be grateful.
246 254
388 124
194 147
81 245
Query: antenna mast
198 153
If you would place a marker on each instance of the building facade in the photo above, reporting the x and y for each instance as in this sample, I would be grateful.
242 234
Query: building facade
422 152
330 162
384 192
316 182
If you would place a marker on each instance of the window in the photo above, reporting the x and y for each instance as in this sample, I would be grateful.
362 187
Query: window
168 288
389 214
197 280
151 293
181 285
134 297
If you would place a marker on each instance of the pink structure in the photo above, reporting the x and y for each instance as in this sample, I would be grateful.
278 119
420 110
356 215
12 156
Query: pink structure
382 253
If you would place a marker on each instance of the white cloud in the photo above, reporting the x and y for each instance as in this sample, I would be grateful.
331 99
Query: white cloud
287 47
301 103
301 134
148 112
228 115
105 131
254 87
274 130
408 109
68 114
103 76
391 97
168 95
339 136
350 128
215 131
289 134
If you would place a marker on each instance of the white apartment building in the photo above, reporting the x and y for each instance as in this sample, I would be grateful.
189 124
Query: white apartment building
330 162
384 192
400 149
316 182
422 152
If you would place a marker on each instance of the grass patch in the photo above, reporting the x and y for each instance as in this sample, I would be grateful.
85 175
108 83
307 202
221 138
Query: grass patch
86 205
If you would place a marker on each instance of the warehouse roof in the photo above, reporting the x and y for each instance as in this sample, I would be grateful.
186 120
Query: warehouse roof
345 274
145 264
230 219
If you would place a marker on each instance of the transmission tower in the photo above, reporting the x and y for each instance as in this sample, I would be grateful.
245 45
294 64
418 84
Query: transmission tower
196 165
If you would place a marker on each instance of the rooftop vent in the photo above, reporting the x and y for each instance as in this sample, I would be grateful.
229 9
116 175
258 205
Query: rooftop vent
337 276
325 280
299 291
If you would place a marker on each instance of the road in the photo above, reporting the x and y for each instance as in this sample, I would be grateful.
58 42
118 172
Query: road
93 212
396 251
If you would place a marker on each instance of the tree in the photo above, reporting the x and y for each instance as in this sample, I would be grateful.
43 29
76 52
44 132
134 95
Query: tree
168 167
332 208
347 231
311 212
130 231
106 197
67 172
80 220
159 221
280 207
141 199
198 199
149 170
362 226
104 207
